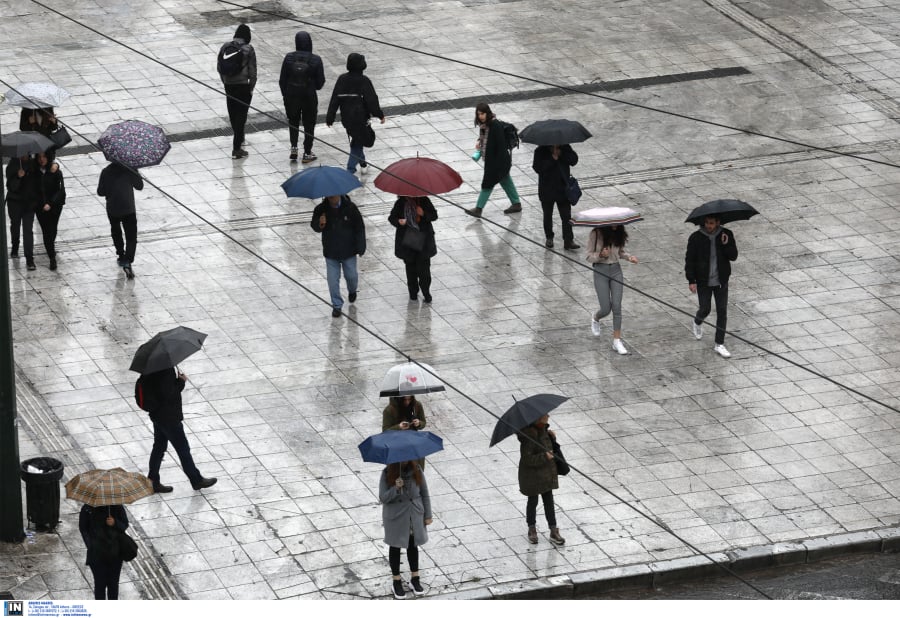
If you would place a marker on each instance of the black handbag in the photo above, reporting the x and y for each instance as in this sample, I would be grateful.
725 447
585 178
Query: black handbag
60 137
562 468
573 191
413 239
369 136
127 547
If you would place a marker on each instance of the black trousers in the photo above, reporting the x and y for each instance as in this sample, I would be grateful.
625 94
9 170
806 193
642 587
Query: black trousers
49 220
565 213
21 217
124 249
705 295
165 433
302 110
418 275
106 580
412 554
549 509
237 110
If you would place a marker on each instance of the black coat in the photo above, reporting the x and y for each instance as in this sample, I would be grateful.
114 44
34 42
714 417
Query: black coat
303 43
21 191
164 389
399 212
553 174
345 232
497 158
93 518
696 259
49 188
355 95
117 185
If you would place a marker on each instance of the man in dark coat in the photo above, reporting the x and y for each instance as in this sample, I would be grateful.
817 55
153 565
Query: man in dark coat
20 202
51 196
239 88
355 96
163 389
343 232
302 74
552 163
117 185
707 266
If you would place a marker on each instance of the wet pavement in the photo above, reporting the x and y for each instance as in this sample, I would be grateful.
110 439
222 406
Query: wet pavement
744 452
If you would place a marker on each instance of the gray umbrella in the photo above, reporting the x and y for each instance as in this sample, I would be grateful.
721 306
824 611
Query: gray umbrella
36 95
23 143
167 349
554 132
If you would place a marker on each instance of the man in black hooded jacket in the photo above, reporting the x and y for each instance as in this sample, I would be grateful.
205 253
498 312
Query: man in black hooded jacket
239 88
302 74
355 96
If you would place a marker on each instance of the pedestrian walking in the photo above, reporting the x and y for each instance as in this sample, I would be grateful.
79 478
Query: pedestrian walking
355 97
302 74
607 247
237 68
707 266
51 196
117 184
552 165
403 413
414 242
538 477
491 146
405 512
96 524
20 203
343 232
163 389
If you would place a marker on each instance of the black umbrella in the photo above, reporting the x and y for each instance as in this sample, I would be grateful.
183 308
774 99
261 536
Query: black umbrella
726 210
524 413
23 143
167 349
554 132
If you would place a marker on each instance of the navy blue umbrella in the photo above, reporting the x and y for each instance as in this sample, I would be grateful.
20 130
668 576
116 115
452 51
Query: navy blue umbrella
393 446
320 181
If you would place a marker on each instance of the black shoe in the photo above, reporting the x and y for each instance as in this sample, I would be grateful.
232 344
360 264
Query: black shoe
30 265
293 153
416 586
161 489
14 252
352 297
413 298
239 154
517 207
549 242
335 313
426 298
121 261
572 246
203 483
475 212
128 272
399 592
52 263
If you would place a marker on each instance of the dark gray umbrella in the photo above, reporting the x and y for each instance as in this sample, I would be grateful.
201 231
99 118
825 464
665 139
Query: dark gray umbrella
23 143
167 349
524 413
726 210
554 132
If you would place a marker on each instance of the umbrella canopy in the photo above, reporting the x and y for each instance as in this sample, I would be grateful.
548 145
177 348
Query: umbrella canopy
36 95
134 143
418 177
166 349
108 487
524 413
321 181
554 132
409 379
23 143
390 447
606 216
726 210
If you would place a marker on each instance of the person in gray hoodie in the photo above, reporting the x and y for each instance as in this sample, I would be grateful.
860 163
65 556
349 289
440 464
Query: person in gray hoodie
302 74
239 79
117 185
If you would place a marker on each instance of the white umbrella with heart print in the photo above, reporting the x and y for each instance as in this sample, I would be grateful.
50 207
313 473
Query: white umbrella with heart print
410 379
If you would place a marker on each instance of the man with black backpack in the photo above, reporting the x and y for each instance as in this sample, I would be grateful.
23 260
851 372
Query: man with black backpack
237 68
302 74
354 95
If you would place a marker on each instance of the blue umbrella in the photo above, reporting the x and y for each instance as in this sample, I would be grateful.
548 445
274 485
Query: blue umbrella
321 181
395 446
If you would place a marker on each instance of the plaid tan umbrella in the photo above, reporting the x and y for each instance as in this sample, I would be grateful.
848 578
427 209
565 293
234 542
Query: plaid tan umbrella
107 487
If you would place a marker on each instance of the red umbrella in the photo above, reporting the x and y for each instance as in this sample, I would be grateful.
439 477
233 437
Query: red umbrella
418 177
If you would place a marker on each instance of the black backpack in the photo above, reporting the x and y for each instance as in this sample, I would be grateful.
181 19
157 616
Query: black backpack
232 58
143 396
511 134
299 72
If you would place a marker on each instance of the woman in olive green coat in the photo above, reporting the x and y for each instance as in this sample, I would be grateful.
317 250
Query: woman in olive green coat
403 413
537 476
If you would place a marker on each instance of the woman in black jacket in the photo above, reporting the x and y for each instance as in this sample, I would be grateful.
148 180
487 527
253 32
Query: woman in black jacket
355 95
93 523
552 163
50 196
20 203
491 146
412 216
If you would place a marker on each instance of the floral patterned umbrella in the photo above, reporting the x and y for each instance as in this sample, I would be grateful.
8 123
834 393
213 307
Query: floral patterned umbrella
134 143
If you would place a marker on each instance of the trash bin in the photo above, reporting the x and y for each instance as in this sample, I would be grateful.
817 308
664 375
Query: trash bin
42 491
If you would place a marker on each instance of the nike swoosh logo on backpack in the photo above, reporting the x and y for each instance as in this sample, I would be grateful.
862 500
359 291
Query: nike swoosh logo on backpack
227 56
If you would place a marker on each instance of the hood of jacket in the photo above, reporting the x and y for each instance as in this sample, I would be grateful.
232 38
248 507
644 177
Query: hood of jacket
243 33
356 63
302 41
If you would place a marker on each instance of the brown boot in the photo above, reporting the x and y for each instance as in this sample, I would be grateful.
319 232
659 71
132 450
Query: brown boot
555 538
532 535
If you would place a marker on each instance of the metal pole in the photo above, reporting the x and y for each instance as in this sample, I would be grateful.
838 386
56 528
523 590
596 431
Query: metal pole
12 528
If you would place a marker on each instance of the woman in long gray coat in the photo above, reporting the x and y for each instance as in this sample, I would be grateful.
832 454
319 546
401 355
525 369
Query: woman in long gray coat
537 476
406 511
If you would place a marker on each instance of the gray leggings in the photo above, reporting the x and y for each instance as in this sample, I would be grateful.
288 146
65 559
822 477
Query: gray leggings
608 283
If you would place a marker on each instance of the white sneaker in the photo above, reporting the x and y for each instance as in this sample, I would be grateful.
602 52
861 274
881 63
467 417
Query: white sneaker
722 351
595 327
698 330
619 347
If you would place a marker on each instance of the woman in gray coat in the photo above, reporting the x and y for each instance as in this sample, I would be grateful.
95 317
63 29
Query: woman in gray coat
537 476
406 511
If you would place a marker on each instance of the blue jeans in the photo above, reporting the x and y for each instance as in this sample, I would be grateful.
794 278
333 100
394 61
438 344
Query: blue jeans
356 156
333 273
171 433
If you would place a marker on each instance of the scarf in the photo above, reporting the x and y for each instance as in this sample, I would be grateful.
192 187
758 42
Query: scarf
409 213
